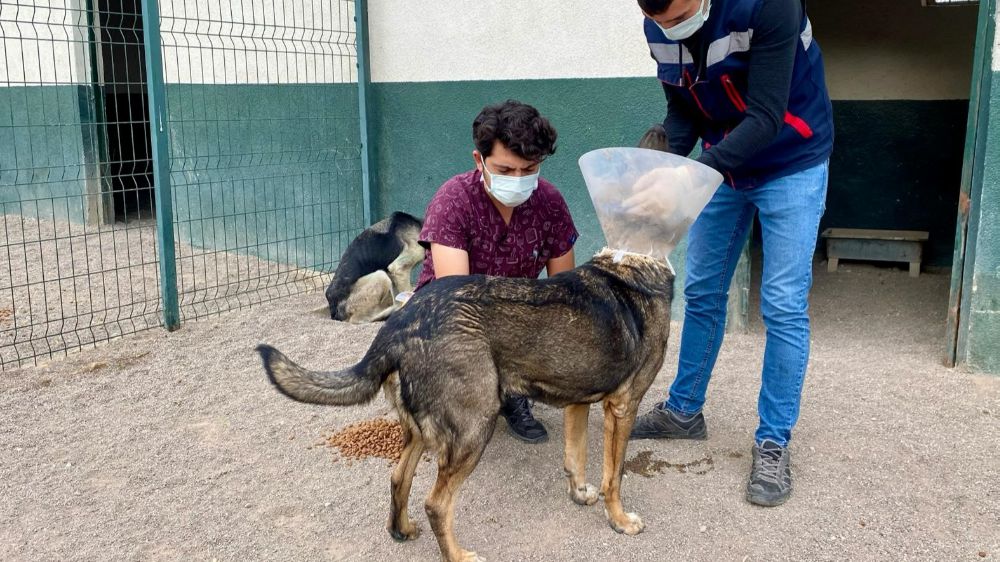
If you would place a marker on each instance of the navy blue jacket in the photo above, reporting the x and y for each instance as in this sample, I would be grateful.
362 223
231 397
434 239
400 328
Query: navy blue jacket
716 91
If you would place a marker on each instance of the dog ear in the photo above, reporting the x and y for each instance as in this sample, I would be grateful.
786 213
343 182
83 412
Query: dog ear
655 138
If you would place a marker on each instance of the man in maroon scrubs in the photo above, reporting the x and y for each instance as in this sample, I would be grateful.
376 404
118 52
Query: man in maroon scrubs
502 219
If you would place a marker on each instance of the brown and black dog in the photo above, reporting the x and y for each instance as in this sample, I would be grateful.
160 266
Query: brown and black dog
597 333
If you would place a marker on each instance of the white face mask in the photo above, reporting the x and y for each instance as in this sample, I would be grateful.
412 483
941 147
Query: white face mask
688 27
510 190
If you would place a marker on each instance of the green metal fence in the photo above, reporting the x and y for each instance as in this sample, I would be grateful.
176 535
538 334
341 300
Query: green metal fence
251 167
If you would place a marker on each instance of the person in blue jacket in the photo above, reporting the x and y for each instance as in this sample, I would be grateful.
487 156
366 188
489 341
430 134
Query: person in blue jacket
746 78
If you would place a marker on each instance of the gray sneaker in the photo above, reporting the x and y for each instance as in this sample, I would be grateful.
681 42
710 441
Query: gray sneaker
663 423
771 476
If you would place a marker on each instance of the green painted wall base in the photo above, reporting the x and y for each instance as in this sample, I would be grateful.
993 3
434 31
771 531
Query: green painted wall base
897 165
982 344
423 134
46 139
268 170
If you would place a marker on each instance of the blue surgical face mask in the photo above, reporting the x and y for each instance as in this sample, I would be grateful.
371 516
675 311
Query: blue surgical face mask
510 190
688 27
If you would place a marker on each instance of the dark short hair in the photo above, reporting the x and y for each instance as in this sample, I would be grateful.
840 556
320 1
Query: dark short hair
654 7
518 126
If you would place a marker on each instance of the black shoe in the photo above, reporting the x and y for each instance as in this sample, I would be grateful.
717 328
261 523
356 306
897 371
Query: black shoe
522 424
771 476
663 423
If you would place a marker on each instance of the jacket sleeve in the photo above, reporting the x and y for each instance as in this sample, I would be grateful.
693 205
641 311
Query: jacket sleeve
772 61
681 124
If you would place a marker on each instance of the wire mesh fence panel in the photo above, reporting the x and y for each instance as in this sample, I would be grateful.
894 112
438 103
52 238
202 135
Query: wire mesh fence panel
264 158
78 256
265 162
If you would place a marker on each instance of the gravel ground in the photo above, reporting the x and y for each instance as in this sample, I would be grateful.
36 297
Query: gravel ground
172 446
70 285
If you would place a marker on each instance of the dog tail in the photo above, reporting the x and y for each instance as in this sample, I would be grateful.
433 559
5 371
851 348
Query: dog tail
354 385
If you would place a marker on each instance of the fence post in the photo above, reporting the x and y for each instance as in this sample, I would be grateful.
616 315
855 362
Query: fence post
364 81
156 93
100 209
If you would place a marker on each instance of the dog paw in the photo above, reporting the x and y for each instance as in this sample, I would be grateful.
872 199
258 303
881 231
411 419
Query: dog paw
404 534
586 495
632 525
469 556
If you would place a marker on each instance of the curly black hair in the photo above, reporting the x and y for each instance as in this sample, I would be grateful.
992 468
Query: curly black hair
518 126
654 7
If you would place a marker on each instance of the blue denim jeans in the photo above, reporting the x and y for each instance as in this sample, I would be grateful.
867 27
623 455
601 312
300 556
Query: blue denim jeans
790 209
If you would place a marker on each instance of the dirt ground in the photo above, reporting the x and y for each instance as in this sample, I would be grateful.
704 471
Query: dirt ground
172 446
64 285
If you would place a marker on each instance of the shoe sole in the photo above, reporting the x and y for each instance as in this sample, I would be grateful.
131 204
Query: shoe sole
701 437
528 440
768 502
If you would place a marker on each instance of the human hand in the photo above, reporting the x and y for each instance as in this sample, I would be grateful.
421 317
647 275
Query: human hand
657 193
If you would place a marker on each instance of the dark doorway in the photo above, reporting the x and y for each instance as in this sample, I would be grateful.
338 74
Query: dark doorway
127 168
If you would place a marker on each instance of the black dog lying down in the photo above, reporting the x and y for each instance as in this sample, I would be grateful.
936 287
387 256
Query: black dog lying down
375 267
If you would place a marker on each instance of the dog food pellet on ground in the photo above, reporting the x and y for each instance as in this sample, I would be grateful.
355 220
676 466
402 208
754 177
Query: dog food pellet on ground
370 438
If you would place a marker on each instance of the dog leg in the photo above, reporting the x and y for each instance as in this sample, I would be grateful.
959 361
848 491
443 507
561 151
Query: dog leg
576 454
619 415
390 388
385 313
370 299
609 437
401 268
454 466
400 526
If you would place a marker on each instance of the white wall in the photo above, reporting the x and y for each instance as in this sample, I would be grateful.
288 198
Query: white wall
253 42
423 41
875 49
43 44
895 49
996 46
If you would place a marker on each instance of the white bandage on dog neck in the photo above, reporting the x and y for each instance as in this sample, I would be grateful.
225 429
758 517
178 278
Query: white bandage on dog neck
619 255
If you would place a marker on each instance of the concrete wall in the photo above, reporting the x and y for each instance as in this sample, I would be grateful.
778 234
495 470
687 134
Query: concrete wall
996 46
893 50
899 74
280 42
465 40
262 106
983 312
262 111
587 69
46 116
44 43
